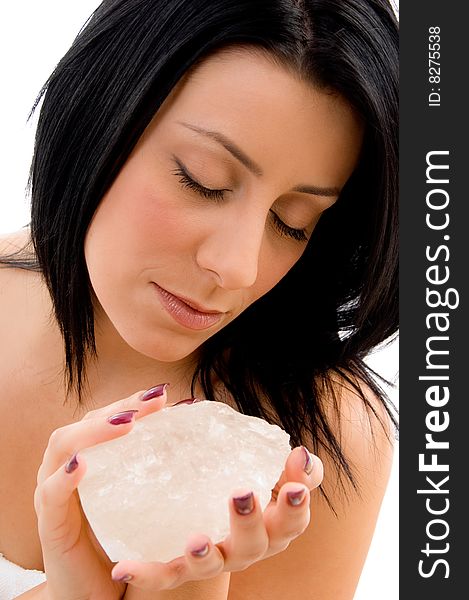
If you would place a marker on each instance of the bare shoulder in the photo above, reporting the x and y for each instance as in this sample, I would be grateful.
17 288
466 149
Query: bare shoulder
28 335
22 293
363 427
326 560
31 357
17 245
15 241
30 340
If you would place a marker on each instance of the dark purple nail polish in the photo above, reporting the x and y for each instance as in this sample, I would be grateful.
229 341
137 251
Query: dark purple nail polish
72 464
122 417
295 498
187 401
308 467
244 504
200 552
154 392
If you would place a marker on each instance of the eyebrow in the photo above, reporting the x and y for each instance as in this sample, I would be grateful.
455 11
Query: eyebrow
252 166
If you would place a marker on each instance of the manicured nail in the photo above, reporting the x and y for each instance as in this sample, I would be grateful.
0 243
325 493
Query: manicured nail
308 467
72 464
244 504
154 392
122 578
296 497
122 417
187 401
202 551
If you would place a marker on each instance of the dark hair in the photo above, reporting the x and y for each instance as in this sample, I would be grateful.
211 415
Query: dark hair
340 300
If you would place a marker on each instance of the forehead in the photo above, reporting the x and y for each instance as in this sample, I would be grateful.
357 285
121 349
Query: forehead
285 124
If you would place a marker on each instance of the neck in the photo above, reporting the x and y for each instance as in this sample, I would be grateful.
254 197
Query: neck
120 370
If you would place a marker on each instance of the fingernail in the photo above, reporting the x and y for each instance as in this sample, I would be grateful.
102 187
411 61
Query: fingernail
202 551
122 578
244 504
72 464
122 417
187 401
296 497
308 467
154 392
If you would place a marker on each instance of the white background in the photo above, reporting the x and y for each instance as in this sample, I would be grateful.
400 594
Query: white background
35 35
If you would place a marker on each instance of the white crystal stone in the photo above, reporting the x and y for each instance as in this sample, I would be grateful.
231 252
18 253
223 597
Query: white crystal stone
172 475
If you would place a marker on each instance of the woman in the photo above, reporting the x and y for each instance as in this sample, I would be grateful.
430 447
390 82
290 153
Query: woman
214 206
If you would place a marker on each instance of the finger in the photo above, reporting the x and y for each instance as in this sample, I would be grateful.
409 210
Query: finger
248 539
146 401
289 517
67 441
303 467
205 563
52 500
203 559
94 427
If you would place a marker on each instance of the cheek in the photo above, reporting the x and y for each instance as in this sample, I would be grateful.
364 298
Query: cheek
155 223
144 221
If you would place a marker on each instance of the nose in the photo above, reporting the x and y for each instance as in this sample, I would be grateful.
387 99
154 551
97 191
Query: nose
232 249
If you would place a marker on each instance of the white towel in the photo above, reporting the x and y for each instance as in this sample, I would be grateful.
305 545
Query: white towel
14 580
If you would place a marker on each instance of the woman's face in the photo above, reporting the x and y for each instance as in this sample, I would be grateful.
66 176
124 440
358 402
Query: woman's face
217 201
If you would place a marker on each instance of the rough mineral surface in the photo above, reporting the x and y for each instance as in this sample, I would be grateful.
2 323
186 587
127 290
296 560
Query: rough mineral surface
172 476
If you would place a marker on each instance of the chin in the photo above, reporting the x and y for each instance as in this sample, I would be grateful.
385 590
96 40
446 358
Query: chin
162 348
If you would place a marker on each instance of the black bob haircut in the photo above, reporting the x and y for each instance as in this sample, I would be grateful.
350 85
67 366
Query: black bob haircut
341 299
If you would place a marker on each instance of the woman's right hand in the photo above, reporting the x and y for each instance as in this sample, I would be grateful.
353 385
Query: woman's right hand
75 564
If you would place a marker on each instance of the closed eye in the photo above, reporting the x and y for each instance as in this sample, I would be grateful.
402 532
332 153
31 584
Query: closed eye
299 235
188 181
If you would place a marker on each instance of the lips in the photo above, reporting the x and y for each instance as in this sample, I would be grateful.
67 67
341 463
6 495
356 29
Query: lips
194 305
186 312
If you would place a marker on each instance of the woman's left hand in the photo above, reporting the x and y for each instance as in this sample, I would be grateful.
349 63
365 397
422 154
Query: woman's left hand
255 535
